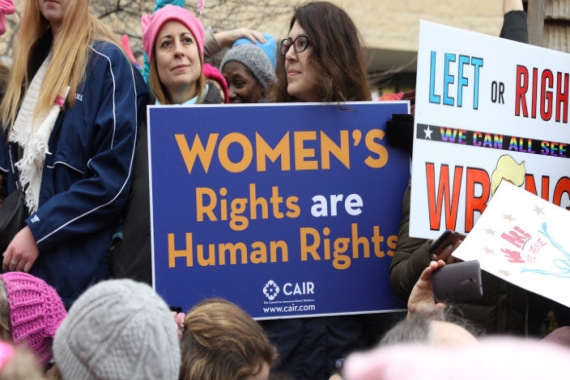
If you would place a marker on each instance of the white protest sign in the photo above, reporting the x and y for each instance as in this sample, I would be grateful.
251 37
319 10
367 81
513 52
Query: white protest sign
486 109
524 240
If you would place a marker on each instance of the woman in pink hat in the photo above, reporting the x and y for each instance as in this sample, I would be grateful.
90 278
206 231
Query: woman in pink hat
173 39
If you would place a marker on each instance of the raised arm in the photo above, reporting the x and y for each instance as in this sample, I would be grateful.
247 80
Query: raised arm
514 22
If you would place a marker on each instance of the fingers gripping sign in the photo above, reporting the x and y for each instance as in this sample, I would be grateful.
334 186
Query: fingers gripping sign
21 253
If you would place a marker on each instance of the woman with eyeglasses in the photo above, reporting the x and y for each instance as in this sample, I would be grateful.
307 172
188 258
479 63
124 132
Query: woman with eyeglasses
321 60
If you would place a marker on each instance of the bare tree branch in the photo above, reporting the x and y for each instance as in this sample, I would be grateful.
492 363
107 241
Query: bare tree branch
123 16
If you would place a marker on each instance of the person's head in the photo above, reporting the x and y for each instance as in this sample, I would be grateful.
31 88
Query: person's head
438 327
73 29
494 358
30 313
53 12
214 76
321 59
173 39
118 329
269 47
221 341
17 362
560 335
249 73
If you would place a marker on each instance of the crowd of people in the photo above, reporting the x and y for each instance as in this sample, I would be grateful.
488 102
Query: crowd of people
76 300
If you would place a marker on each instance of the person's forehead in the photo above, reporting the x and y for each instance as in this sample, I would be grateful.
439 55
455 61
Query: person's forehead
237 68
173 25
296 30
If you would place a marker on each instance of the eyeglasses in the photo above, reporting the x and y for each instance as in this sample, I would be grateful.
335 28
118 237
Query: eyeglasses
299 44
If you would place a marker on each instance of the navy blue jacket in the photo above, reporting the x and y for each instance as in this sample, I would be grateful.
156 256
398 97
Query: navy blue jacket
87 175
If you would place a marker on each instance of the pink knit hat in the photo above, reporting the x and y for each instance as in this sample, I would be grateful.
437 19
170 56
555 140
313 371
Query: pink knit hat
151 25
211 72
36 311
493 358
561 335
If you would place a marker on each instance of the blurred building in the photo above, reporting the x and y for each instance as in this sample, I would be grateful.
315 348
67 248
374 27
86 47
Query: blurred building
390 29
549 24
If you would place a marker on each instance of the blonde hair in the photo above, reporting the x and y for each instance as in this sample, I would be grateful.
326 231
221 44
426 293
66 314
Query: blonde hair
508 169
70 56
221 341
159 90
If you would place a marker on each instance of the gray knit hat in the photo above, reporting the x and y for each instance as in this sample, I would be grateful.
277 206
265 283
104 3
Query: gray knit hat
255 59
118 329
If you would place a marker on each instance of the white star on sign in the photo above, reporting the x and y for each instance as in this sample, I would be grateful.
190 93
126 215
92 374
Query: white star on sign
428 133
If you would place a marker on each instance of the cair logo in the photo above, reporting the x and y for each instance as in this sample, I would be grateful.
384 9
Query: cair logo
271 289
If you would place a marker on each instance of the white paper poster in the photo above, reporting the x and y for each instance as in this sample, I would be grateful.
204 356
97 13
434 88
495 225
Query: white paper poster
524 240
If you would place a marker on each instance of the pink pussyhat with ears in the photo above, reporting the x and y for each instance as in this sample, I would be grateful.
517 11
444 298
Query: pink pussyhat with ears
201 4
6 8
127 48
36 311
210 72
152 24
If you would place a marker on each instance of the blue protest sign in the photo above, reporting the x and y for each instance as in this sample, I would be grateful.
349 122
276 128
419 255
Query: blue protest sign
287 210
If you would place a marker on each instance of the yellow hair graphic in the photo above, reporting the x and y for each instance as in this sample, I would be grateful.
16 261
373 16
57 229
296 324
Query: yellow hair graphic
508 169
